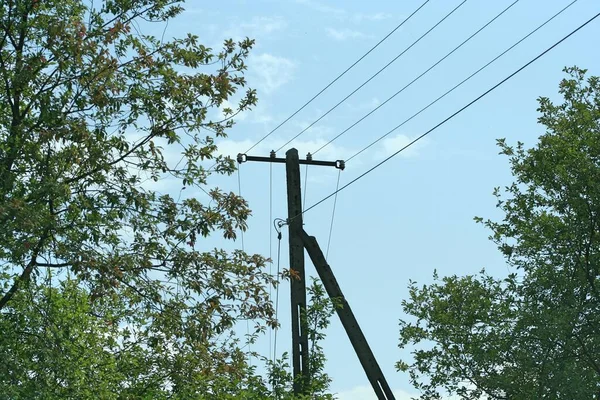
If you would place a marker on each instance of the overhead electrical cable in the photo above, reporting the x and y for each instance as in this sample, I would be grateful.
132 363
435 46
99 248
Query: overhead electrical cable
454 114
416 79
339 76
333 215
270 248
461 82
305 186
249 353
372 76
277 224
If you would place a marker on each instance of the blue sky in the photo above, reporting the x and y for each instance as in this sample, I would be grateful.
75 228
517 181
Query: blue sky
415 214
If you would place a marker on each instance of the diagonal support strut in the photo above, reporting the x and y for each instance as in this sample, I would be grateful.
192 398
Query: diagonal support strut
355 334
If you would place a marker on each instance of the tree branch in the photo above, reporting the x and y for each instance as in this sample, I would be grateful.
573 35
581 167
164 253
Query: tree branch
26 274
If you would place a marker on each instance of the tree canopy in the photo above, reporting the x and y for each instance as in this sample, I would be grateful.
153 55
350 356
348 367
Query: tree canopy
536 333
92 110
89 105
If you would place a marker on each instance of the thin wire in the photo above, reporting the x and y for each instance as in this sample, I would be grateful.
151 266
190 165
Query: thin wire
240 195
373 76
454 114
462 82
418 77
338 77
244 250
333 214
280 221
270 247
305 186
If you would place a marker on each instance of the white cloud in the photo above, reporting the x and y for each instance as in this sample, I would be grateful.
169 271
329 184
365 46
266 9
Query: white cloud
264 25
271 71
366 393
368 104
380 16
332 152
321 7
390 145
256 28
342 14
345 34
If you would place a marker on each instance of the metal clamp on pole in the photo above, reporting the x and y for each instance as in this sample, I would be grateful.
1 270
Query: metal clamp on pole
241 158
340 164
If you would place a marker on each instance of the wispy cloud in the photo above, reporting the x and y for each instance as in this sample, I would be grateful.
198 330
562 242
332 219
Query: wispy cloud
345 34
333 151
380 16
322 7
271 71
258 27
341 14
231 148
364 105
264 25
392 144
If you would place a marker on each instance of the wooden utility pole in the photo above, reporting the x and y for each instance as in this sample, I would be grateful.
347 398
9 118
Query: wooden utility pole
298 277
300 351
299 240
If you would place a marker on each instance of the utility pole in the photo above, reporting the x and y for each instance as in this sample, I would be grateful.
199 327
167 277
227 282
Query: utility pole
299 240
297 274
300 353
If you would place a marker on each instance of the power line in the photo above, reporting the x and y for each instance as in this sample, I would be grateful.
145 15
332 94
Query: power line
333 215
270 247
277 224
240 195
454 114
462 82
373 76
338 77
244 250
417 78
305 186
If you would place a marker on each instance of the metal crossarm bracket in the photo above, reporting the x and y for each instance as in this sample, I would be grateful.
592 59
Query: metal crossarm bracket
339 164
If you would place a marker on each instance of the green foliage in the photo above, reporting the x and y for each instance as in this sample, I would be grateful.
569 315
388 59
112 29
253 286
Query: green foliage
89 106
91 110
63 345
320 309
535 334
107 289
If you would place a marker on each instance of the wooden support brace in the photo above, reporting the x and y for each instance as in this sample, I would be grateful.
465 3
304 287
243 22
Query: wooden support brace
355 334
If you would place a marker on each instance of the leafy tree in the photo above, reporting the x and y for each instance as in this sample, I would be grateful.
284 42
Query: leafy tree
91 109
107 289
89 106
58 344
535 334
320 309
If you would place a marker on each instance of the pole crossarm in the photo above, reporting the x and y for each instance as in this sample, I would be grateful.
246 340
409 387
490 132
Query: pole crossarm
339 164
355 334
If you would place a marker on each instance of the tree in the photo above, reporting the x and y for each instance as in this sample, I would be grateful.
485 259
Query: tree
91 109
535 334
106 287
59 344
89 106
